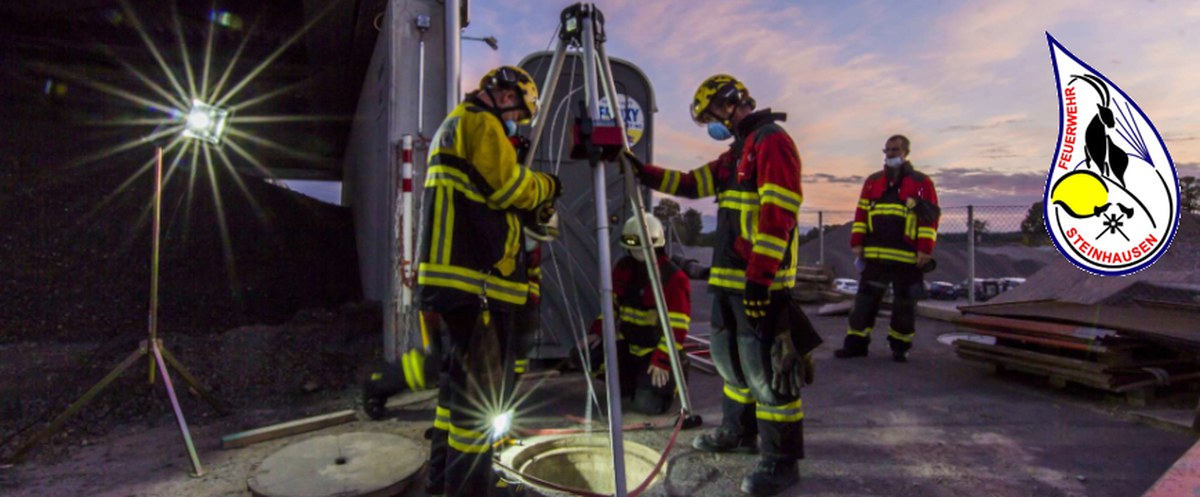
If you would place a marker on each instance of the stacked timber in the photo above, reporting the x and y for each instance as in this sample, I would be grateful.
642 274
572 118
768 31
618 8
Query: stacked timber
1093 357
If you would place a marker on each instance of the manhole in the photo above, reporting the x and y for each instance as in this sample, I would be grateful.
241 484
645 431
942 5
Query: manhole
582 462
950 338
347 465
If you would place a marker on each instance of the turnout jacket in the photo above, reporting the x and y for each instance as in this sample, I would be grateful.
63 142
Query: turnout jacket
474 188
757 185
897 216
637 313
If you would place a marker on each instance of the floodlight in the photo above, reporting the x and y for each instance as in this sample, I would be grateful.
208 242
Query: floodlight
205 122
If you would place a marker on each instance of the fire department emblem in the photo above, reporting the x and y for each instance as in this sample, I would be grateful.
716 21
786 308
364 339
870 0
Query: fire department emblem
1112 196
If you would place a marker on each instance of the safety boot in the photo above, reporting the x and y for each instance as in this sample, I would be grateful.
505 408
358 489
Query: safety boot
724 441
900 356
771 476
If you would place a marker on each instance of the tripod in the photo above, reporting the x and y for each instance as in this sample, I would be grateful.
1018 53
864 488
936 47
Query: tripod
160 358
582 27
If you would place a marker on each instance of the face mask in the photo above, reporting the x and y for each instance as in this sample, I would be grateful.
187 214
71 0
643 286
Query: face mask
719 132
637 255
893 162
510 127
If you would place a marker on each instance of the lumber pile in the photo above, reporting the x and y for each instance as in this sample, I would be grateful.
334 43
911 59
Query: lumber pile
1093 357
815 284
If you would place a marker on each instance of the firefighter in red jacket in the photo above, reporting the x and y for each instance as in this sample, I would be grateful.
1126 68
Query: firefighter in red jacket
894 232
757 185
645 368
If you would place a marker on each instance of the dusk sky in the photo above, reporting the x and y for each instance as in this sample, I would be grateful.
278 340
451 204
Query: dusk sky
969 82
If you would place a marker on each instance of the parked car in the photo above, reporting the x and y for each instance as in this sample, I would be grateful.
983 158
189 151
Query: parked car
943 290
846 285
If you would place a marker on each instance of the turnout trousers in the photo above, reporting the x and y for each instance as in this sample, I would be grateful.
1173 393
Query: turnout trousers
475 384
906 283
743 359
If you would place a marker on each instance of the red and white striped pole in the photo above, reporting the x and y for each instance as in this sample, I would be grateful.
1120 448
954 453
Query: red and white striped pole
406 196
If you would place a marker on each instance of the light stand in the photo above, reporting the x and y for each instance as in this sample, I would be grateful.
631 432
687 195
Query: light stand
159 360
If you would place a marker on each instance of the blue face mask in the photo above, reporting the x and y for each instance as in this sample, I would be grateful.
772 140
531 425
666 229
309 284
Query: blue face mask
510 127
719 132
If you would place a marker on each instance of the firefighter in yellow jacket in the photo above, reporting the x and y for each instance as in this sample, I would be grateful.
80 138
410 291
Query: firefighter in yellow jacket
472 271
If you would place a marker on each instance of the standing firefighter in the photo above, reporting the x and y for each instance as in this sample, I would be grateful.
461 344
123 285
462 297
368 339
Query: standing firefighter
894 231
645 367
757 185
472 270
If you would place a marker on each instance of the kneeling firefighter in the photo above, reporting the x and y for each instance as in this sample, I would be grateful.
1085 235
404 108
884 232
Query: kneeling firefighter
644 366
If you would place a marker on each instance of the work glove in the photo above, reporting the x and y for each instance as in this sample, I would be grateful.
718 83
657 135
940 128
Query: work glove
557 186
789 370
634 162
756 299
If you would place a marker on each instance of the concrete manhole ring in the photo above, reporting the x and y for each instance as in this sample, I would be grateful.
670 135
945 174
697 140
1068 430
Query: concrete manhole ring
582 462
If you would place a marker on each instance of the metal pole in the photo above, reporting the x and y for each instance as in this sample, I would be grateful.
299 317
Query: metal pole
600 194
197 470
821 237
549 86
406 231
970 254
421 86
154 254
453 54
650 258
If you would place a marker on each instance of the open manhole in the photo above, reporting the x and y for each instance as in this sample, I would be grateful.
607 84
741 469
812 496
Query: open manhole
950 338
580 462
346 465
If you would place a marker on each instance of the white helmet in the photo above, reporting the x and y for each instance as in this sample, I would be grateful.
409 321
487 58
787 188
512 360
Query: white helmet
631 236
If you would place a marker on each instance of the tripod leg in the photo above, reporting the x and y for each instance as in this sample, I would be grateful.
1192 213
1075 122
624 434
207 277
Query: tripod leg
198 471
73 408
191 381
548 88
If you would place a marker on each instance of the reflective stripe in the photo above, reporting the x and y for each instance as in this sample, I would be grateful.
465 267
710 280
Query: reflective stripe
864 204
903 337
441 419
739 395
639 317
504 196
890 254
889 209
443 218
670 181
787 413
662 345
413 362
735 279
770 246
858 227
780 196
535 289
864 333
640 351
927 233
468 441
704 182
451 177
521 366
512 245
738 201
471 281
679 319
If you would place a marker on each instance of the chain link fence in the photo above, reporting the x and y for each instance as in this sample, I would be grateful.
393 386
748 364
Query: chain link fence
981 250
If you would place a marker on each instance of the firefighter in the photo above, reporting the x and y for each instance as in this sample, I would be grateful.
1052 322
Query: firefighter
471 269
894 231
757 185
645 367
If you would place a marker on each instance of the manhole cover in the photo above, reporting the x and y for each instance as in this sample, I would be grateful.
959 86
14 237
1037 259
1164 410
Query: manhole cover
347 465
582 462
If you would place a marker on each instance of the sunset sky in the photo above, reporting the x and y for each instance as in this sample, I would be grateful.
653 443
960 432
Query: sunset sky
969 82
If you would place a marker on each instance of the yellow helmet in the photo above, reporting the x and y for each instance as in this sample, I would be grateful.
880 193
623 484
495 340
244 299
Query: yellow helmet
515 78
717 88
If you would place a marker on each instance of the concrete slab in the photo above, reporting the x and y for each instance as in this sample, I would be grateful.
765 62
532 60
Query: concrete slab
346 465
937 426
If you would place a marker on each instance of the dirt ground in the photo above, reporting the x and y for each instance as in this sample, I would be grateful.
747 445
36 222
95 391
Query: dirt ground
938 426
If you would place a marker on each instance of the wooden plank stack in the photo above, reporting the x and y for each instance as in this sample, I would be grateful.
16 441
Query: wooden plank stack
1093 357
815 284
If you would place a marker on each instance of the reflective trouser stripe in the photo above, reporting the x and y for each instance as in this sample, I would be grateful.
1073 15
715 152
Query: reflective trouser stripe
471 281
468 441
735 279
890 254
521 366
787 413
441 420
739 395
903 337
861 333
